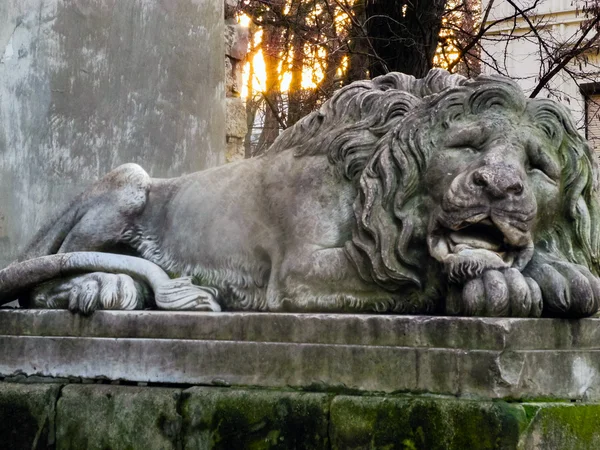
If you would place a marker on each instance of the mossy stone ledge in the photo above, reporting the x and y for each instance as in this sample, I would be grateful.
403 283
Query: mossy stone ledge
148 379
104 416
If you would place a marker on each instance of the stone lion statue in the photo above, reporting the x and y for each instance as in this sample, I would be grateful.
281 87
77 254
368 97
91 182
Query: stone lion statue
439 195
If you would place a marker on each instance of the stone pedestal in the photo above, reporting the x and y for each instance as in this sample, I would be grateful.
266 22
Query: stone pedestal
88 85
467 357
293 381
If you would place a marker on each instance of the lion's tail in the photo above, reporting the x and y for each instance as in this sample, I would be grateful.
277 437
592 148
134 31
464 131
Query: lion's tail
22 276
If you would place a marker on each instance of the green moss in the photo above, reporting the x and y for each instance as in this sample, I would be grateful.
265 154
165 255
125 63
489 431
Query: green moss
254 419
573 426
418 423
102 416
530 411
414 423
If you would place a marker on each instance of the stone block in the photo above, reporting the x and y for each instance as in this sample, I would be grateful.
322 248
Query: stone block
424 423
100 416
237 38
213 362
117 417
254 419
236 118
231 86
27 415
460 333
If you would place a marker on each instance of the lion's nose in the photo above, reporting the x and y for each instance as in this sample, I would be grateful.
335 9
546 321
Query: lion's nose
498 180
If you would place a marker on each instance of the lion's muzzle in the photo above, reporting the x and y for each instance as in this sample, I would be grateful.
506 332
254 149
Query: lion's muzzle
499 180
484 222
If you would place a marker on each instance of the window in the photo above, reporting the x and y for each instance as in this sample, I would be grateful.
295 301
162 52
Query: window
591 93
592 126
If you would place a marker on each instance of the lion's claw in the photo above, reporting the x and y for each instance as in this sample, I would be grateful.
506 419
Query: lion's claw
536 297
473 298
519 293
567 289
498 293
554 288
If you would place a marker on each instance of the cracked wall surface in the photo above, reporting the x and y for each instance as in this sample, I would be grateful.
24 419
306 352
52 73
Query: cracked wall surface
88 85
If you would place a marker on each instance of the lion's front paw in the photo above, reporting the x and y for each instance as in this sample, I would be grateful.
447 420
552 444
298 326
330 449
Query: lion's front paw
506 293
90 292
568 290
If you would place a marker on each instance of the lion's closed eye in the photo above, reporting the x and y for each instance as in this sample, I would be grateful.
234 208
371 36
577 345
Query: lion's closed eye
470 139
466 148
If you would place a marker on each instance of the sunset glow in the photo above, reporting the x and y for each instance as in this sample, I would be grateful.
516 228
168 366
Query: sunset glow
254 72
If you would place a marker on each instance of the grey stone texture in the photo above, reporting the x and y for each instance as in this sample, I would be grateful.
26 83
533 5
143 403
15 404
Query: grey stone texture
86 86
468 357
100 417
27 415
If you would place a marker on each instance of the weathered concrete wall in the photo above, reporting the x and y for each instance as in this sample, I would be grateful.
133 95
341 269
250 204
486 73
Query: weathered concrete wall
88 85
93 416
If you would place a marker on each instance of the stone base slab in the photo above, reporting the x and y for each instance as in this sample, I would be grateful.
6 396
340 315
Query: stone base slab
101 416
467 357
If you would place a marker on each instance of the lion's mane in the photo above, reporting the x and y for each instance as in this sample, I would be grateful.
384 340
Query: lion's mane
376 133
575 234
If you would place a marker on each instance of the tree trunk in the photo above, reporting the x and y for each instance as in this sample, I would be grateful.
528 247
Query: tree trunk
358 45
403 35
295 110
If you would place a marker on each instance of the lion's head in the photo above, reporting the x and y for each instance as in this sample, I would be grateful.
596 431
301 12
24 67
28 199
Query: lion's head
475 177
